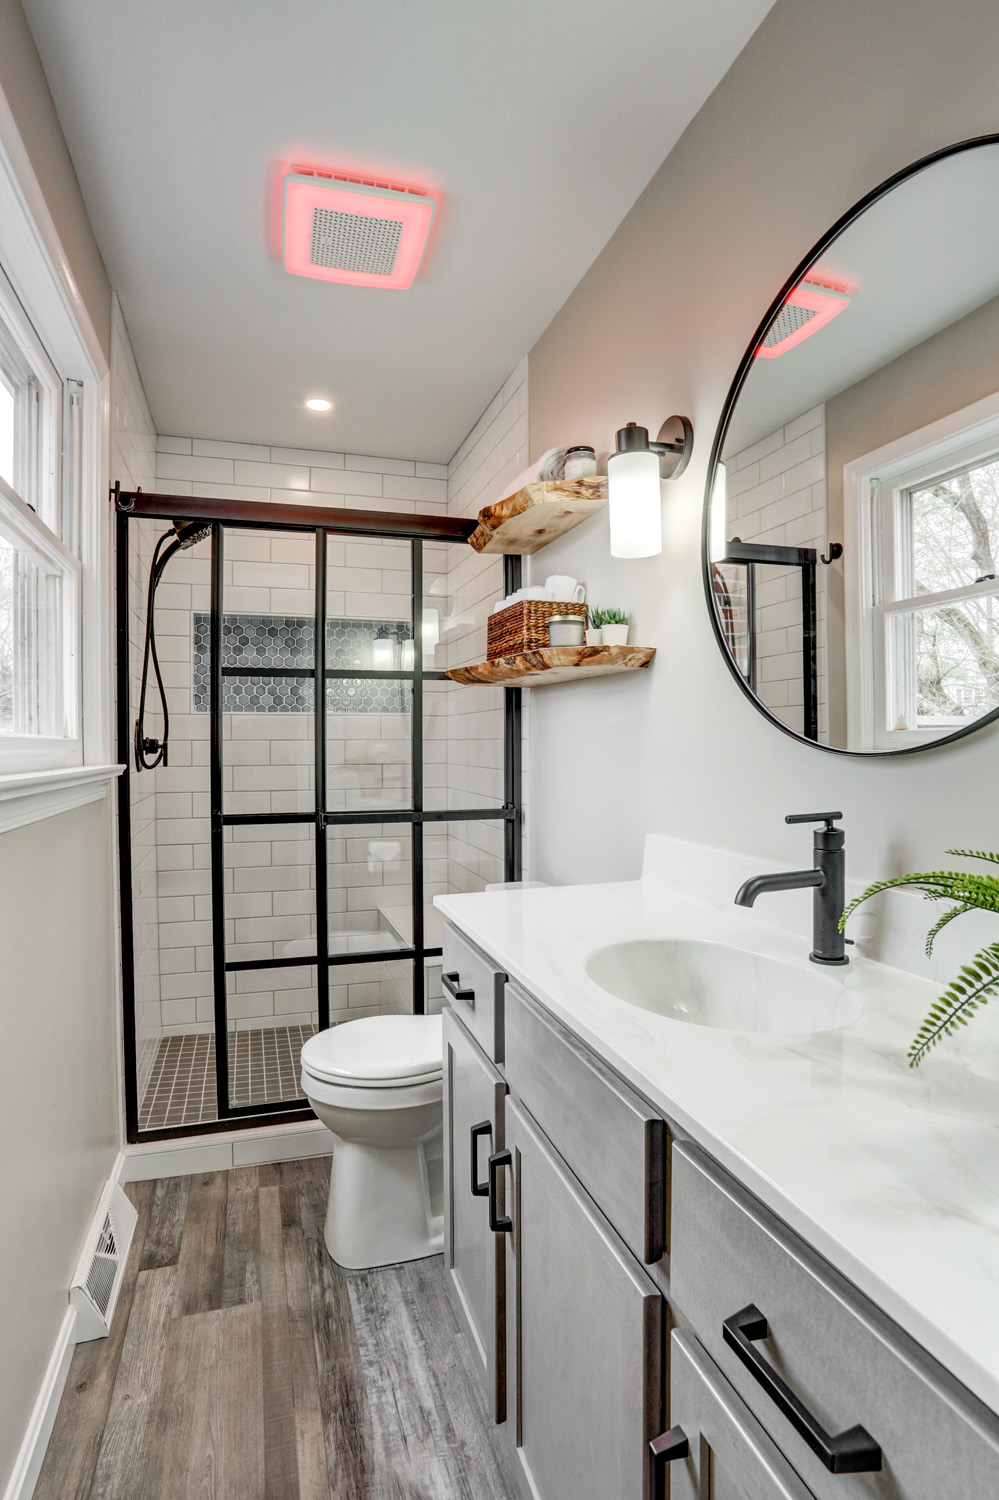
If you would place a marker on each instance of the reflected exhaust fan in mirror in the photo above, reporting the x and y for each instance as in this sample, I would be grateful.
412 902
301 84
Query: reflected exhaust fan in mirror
809 307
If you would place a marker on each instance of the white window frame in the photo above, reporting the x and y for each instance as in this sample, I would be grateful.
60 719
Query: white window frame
872 489
42 282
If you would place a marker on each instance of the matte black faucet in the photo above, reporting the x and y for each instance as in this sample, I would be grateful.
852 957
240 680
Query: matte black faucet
827 877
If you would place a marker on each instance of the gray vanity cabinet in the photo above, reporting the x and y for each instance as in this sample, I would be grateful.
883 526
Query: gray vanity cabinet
859 1409
585 1334
474 1255
730 1455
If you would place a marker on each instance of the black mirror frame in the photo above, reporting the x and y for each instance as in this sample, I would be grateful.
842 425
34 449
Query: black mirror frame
745 365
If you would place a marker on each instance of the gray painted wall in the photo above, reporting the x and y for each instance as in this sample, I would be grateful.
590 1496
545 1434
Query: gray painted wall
825 102
58 1055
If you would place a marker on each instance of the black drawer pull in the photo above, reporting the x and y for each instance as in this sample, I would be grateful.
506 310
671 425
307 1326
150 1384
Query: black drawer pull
479 1189
664 1449
851 1452
498 1224
451 984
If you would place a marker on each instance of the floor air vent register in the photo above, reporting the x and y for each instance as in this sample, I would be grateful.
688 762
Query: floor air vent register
99 1274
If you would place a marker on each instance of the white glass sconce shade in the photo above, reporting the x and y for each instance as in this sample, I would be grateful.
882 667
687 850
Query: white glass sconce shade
431 635
717 541
635 503
383 649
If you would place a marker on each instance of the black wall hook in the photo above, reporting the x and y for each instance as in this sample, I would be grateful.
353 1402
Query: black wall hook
835 553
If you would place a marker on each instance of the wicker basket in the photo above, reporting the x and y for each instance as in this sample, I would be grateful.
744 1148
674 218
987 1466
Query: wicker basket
524 626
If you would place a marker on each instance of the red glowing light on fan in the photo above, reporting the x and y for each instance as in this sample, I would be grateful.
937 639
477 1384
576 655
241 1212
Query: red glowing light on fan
363 198
823 302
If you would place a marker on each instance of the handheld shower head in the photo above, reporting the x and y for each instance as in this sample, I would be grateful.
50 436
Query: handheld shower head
191 532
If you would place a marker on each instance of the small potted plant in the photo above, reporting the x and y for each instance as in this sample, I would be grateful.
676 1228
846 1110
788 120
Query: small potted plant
594 620
614 625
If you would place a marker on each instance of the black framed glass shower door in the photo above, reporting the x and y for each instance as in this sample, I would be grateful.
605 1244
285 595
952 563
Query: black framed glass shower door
323 828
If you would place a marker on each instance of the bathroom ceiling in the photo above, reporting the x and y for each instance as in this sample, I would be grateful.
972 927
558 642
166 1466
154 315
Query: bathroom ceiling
534 124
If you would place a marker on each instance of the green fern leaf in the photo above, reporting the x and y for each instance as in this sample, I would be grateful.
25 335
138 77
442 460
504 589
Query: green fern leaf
992 859
955 1007
941 923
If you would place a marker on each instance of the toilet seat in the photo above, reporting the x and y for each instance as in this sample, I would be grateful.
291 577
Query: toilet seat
377 1052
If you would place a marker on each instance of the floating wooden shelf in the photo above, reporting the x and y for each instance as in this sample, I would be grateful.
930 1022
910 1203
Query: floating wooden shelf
537 514
555 664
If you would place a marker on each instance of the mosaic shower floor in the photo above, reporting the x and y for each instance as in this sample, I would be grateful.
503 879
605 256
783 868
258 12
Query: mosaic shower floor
263 1067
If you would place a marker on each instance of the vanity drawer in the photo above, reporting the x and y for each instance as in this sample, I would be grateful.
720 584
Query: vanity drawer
613 1141
838 1355
473 985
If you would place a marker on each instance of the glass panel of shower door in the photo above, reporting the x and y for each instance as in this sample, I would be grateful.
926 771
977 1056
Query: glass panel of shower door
171 847
369 754
268 754
462 727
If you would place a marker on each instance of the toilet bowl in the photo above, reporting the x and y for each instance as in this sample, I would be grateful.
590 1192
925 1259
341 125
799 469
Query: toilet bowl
377 1085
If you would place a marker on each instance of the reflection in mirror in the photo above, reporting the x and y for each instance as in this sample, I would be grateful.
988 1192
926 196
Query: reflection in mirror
852 534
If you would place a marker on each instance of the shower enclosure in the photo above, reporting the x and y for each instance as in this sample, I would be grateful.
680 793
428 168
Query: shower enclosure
322 781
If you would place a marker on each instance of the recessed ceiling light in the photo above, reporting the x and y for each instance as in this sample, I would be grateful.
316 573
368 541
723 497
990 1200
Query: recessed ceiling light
317 403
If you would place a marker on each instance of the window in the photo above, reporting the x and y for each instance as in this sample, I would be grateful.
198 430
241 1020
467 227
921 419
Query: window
926 585
39 574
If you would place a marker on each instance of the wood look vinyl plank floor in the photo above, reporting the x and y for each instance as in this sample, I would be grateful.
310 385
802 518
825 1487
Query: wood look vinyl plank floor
243 1364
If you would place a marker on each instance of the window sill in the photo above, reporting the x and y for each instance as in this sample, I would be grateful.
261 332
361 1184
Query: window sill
29 796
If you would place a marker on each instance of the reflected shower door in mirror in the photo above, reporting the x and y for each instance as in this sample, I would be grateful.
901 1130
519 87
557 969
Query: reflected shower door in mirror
851 535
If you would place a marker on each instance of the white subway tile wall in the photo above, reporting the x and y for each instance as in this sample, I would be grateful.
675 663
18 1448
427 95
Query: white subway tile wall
776 492
492 455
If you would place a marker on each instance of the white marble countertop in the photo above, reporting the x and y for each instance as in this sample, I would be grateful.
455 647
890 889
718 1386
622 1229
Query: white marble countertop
891 1172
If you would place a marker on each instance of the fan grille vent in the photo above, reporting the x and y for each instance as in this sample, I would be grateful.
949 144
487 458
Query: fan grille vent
354 242
788 321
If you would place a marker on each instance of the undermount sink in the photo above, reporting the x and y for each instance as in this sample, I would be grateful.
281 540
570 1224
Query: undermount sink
711 984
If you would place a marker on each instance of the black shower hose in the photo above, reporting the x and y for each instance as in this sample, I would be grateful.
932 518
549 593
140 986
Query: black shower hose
150 753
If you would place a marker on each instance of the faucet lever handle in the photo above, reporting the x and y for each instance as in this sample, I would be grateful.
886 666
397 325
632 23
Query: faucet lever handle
828 818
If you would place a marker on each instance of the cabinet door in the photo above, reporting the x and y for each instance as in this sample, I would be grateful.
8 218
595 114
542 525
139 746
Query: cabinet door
473 1121
586 1331
729 1456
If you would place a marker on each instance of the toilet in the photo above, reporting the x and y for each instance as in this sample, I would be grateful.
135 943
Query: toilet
377 1084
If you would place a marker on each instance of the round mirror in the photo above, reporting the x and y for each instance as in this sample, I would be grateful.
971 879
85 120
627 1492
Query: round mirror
851 528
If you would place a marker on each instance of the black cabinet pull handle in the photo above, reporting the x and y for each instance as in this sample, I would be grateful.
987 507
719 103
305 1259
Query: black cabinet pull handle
479 1189
664 1449
499 1224
451 983
851 1452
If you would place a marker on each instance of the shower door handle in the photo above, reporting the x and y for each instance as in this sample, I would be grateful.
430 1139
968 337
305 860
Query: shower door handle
479 1189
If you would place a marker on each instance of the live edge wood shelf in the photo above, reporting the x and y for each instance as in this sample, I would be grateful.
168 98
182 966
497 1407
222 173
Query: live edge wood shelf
537 514
555 664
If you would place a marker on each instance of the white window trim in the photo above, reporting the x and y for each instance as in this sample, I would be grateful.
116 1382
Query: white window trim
34 260
933 445
33 537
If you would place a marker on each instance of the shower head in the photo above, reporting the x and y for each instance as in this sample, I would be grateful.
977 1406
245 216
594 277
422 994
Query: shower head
190 532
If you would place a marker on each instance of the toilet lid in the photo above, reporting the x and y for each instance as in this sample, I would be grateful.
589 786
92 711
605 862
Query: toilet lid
377 1049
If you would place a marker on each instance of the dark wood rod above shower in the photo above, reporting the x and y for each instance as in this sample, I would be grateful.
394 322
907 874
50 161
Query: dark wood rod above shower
266 516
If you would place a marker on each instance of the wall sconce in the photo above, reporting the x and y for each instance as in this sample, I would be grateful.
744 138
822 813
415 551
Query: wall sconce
633 474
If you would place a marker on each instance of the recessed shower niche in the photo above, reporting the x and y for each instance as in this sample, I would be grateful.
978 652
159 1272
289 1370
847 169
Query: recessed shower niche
282 865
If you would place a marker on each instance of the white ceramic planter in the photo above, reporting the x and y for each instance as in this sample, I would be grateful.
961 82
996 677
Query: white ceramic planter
615 635
594 637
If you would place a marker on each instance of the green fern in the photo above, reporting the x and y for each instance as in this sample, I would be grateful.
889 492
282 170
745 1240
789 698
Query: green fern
979 980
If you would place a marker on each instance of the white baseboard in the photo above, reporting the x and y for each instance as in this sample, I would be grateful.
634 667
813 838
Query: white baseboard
217 1153
28 1464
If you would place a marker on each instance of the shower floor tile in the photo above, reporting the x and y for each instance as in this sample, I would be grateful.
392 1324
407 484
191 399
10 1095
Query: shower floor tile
263 1068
